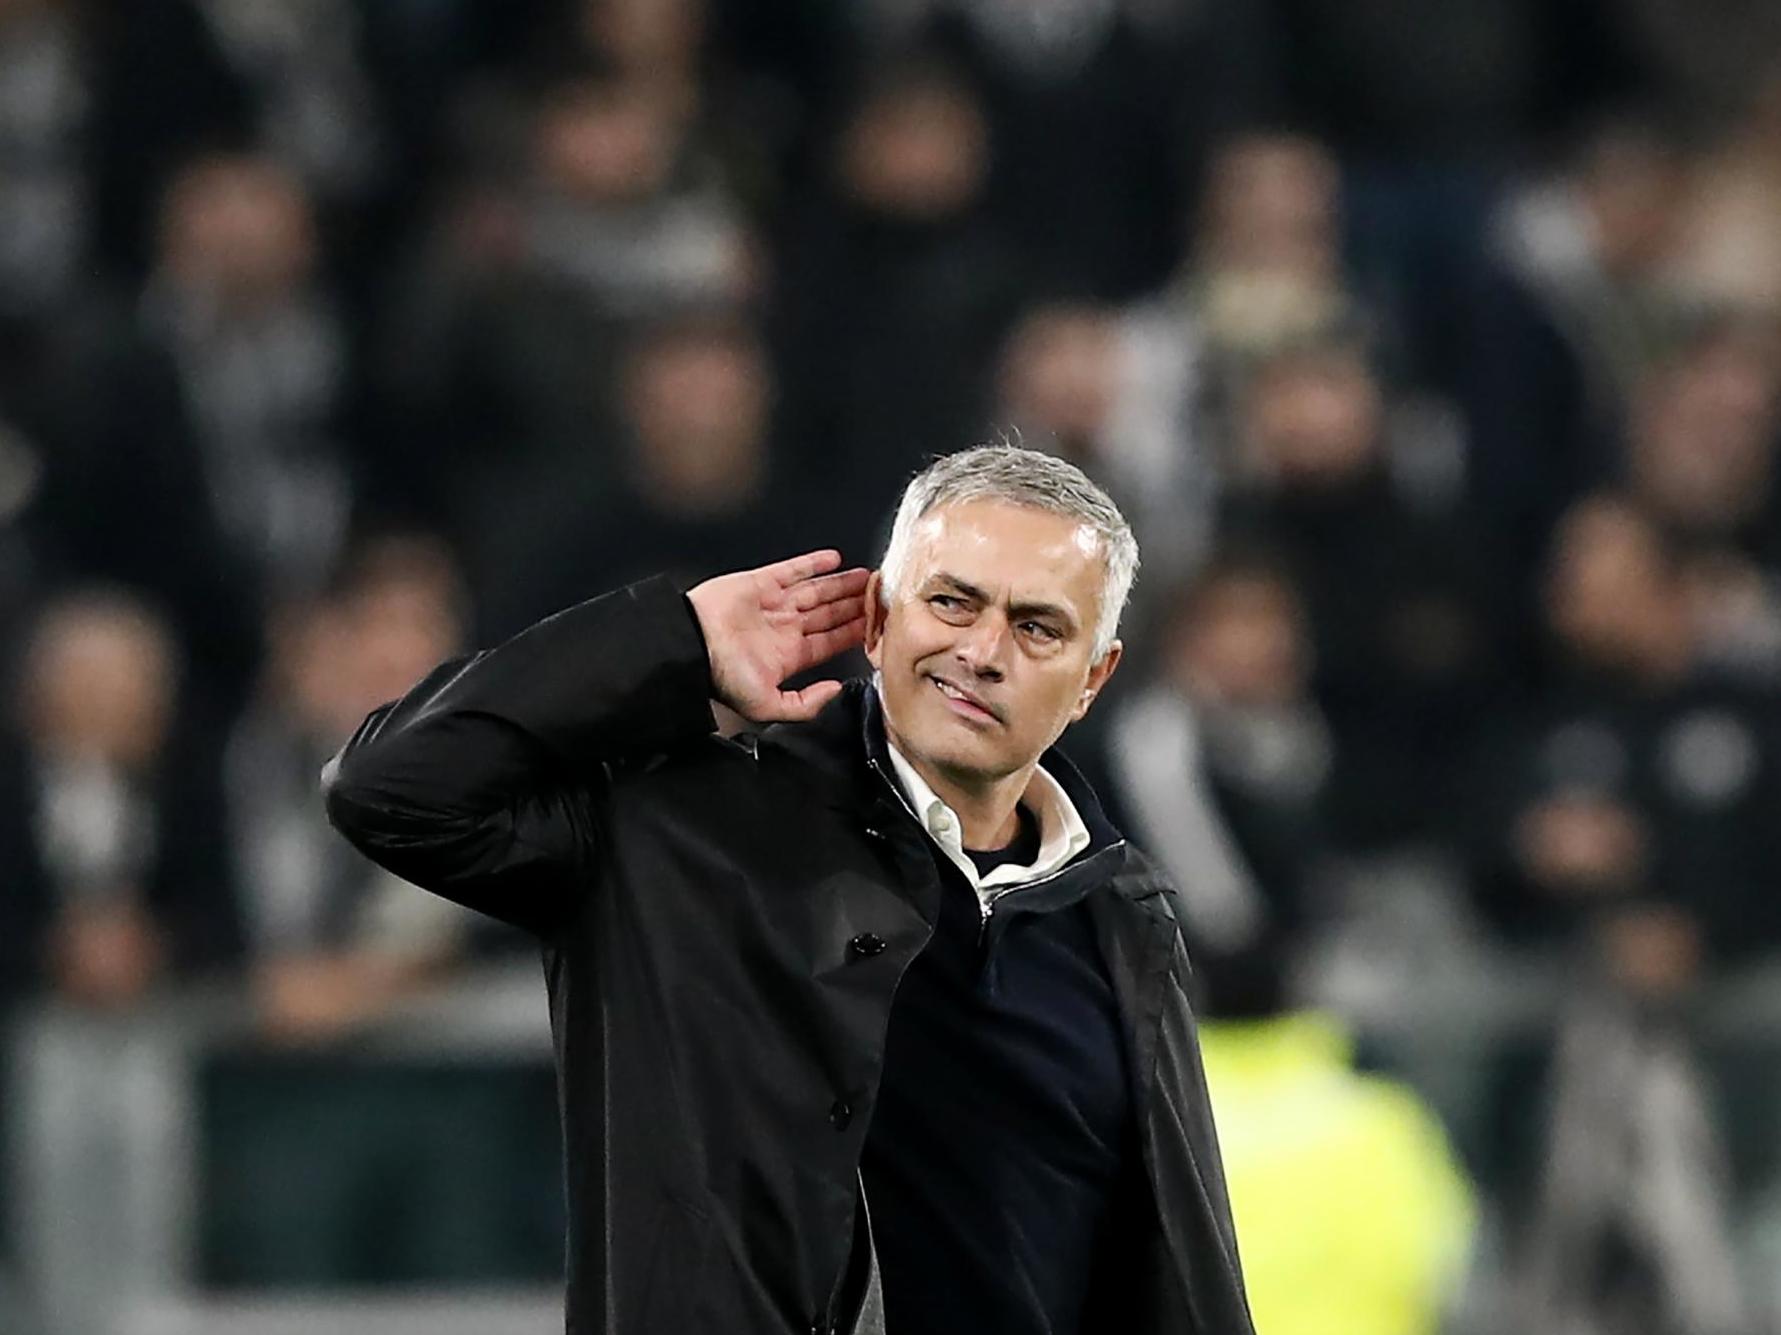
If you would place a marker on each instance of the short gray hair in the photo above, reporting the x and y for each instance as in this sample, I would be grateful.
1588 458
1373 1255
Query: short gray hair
1018 476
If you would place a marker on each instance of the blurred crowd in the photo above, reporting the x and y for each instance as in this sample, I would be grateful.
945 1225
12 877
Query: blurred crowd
1434 351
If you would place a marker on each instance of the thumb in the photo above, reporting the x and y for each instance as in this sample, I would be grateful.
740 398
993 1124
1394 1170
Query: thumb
809 702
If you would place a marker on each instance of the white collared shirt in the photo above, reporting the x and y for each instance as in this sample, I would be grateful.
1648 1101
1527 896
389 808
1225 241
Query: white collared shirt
1062 835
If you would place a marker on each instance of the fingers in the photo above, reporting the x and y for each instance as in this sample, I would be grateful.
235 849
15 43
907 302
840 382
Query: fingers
830 615
809 702
796 568
824 645
828 588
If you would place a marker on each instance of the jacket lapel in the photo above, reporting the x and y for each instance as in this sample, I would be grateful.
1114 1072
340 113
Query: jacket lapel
1199 1269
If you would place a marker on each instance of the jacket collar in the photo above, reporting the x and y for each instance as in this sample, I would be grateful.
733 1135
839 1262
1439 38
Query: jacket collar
846 744
875 745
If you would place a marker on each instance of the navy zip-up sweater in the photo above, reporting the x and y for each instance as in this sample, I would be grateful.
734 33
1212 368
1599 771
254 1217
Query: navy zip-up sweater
1002 1126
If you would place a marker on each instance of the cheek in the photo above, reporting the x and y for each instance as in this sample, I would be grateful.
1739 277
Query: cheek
1055 705
917 645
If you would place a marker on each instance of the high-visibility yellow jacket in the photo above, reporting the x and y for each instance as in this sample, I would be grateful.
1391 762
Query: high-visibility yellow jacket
1352 1216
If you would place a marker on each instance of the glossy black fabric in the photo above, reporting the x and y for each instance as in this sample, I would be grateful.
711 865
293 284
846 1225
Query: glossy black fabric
724 925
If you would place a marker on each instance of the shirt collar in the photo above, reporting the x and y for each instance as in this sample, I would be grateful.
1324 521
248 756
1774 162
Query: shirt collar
1062 832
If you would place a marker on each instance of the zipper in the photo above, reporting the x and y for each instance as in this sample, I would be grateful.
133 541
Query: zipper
987 908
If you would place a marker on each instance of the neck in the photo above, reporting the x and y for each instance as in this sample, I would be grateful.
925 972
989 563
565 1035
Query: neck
986 808
987 819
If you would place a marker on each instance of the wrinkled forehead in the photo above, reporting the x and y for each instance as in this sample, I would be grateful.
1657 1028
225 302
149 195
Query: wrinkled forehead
1010 550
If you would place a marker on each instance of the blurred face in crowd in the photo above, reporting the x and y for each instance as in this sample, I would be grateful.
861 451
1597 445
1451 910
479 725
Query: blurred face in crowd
1313 421
698 402
1273 206
1704 435
646 35
1612 595
308 649
1581 844
916 151
99 684
1060 375
400 625
238 231
1633 187
606 143
340 657
985 649
1240 640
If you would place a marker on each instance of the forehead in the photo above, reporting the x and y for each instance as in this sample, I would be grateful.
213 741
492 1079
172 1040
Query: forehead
1010 551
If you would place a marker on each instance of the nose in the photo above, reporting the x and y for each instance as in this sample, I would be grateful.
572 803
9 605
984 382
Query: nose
981 647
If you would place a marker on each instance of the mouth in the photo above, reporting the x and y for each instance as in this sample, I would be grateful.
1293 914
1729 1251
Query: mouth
963 703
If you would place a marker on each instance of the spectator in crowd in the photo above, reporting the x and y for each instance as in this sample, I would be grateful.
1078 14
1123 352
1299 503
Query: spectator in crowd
45 213
1702 437
646 39
322 1171
754 79
205 455
332 940
888 322
1263 270
1625 839
1567 314
1071 376
236 305
514 324
1123 95
1476 82
312 92
1266 264
661 45
1330 472
97 104
109 811
1729 254
1355 1214
1629 807
1474 88
1222 762
622 204
1631 1227
693 485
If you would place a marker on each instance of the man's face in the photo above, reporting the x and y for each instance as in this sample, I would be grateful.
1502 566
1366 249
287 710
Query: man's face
998 603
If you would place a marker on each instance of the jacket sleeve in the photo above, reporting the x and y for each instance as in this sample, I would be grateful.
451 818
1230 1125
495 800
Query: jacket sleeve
484 783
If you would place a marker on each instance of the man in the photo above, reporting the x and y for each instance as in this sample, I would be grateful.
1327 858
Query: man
757 1139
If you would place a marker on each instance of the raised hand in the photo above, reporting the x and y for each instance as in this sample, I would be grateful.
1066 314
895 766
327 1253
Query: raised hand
762 626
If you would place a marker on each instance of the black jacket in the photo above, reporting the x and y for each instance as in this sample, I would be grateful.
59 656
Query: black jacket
724 926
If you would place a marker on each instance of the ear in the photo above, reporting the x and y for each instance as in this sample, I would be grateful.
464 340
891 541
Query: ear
1098 674
876 614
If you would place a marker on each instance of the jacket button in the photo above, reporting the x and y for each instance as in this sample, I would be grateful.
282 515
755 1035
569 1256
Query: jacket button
840 1114
866 945
873 832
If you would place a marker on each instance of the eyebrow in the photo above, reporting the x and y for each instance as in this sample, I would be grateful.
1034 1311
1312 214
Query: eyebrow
1027 609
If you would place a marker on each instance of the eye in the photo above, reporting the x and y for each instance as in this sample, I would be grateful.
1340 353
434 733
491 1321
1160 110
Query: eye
943 600
1039 629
